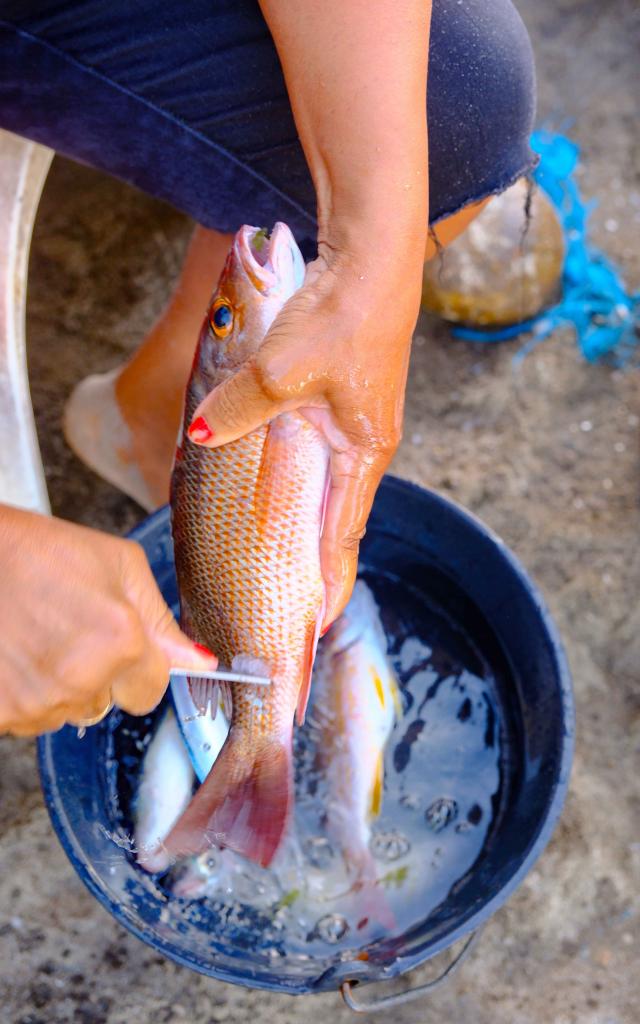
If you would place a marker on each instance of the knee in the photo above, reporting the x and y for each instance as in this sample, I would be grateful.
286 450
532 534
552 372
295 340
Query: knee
480 99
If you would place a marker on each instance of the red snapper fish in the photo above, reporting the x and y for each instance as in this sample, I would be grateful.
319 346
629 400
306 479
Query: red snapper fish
246 521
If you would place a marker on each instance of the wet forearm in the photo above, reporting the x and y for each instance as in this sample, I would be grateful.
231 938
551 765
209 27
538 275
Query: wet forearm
356 76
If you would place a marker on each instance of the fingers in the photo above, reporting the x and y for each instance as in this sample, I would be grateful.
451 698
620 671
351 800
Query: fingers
36 715
37 726
235 408
141 687
178 649
354 481
91 627
156 644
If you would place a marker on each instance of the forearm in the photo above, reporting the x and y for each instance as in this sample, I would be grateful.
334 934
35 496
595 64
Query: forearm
356 75
339 350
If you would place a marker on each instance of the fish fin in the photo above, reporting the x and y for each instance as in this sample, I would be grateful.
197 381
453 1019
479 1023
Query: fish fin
376 792
373 905
325 500
376 908
310 657
244 804
378 687
388 677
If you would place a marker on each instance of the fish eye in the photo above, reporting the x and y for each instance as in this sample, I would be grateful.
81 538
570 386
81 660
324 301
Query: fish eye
221 318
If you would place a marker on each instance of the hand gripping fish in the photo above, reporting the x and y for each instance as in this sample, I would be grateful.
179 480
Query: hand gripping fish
246 520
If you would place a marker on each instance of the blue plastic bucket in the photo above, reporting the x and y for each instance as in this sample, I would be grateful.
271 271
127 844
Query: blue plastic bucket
436 549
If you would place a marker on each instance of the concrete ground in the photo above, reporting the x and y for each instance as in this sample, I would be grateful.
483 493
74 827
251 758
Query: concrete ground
547 454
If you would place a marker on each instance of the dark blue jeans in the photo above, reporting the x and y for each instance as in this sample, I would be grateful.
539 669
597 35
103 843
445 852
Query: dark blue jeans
186 100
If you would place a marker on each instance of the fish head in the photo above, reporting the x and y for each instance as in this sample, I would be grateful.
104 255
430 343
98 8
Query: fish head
194 877
261 272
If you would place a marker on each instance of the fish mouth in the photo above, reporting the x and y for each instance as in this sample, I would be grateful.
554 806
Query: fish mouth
272 262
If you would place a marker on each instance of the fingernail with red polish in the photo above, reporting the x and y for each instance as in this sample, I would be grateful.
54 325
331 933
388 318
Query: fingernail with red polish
200 431
204 650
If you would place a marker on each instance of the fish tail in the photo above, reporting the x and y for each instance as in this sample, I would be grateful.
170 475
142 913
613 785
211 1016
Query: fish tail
244 804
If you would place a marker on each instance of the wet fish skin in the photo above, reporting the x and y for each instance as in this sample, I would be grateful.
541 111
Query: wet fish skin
356 703
246 521
165 787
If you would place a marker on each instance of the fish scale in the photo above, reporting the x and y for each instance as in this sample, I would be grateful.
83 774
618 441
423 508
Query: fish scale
246 585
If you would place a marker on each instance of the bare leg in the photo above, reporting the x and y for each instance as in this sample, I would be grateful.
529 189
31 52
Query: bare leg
124 424
158 371
446 230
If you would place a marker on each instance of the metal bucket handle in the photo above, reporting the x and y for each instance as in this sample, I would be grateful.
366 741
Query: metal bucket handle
399 998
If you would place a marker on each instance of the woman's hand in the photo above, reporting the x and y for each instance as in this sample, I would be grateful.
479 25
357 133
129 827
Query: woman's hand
83 624
356 74
338 353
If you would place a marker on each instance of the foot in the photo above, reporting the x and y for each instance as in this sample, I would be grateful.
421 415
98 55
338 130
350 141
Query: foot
96 430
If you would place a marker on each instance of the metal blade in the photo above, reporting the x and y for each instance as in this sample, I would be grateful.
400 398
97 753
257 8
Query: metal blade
222 675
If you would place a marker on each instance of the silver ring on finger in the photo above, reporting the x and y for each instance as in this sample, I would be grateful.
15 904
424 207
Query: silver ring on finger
84 723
